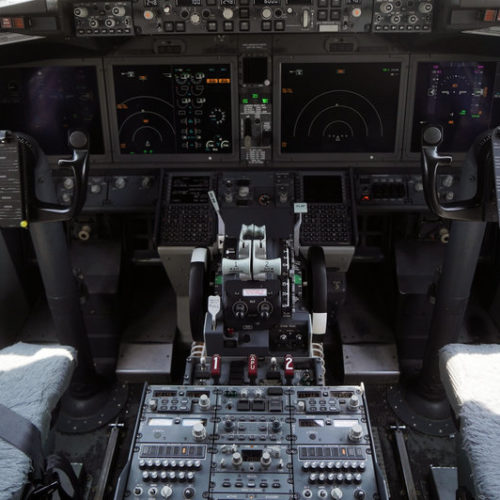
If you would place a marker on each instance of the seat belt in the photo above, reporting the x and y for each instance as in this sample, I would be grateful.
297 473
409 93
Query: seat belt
26 437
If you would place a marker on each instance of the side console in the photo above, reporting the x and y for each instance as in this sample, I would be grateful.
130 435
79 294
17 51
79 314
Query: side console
235 443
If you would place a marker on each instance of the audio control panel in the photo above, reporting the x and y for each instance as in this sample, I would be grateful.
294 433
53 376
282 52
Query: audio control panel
230 442
403 15
103 19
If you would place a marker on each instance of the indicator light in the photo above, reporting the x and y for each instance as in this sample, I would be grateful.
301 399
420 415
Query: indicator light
255 96
264 100
244 101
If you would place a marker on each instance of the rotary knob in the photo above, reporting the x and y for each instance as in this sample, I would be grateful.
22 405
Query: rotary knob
276 426
237 459
118 11
265 459
68 183
204 402
336 493
448 181
425 7
81 12
153 404
228 425
353 404
166 491
189 493
120 182
195 18
227 13
386 7
95 188
356 433
199 432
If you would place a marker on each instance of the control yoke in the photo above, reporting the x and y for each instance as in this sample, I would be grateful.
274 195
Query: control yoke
485 149
40 211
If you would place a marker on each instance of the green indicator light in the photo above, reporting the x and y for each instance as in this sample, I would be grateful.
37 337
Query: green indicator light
386 70
218 279
145 151
476 116
264 100
298 279
244 101
255 96
463 112
150 151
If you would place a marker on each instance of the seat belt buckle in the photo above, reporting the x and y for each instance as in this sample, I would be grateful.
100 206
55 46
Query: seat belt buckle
43 490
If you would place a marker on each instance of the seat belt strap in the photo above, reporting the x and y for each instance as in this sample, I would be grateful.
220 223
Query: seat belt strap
25 436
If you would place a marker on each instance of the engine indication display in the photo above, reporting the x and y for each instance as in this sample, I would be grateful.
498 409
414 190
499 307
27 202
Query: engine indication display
330 107
463 97
167 109
49 101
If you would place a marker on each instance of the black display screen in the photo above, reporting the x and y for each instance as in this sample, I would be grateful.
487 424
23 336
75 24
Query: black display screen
189 190
339 107
165 109
323 189
47 102
462 97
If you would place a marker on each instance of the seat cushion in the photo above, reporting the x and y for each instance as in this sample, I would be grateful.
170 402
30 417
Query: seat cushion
471 377
32 380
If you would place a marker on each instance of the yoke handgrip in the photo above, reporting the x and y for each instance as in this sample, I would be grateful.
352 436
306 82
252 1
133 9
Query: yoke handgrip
464 210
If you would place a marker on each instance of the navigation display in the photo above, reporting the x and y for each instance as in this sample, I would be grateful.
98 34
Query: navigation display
339 107
463 97
47 102
173 109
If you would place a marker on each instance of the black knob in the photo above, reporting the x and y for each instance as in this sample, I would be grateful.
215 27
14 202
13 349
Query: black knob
432 135
77 140
189 492
276 425
228 425
360 494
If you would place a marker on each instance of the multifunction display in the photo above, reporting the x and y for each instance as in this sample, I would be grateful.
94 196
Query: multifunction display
173 109
47 102
330 107
463 97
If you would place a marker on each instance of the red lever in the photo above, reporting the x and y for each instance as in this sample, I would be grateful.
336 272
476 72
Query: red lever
215 366
289 368
252 367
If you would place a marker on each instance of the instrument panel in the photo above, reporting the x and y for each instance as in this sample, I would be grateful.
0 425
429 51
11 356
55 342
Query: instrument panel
218 111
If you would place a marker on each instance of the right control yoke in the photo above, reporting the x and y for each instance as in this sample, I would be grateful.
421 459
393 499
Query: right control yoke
477 168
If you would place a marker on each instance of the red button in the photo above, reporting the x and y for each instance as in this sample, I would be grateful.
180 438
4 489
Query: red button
289 369
6 23
252 365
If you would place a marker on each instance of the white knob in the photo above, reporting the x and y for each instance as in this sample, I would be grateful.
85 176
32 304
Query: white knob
386 7
355 433
195 18
265 459
66 197
148 15
110 23
204 402
69 183
301 405
199 432
166 491
243 191
120 182
81 12
267 13
354 402
237 459
419 187
258 393
118 11
425 7
95 188
153 404
336 494
450 196
244 393
227 13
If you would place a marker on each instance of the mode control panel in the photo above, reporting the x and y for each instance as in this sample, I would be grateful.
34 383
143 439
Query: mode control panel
227 442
